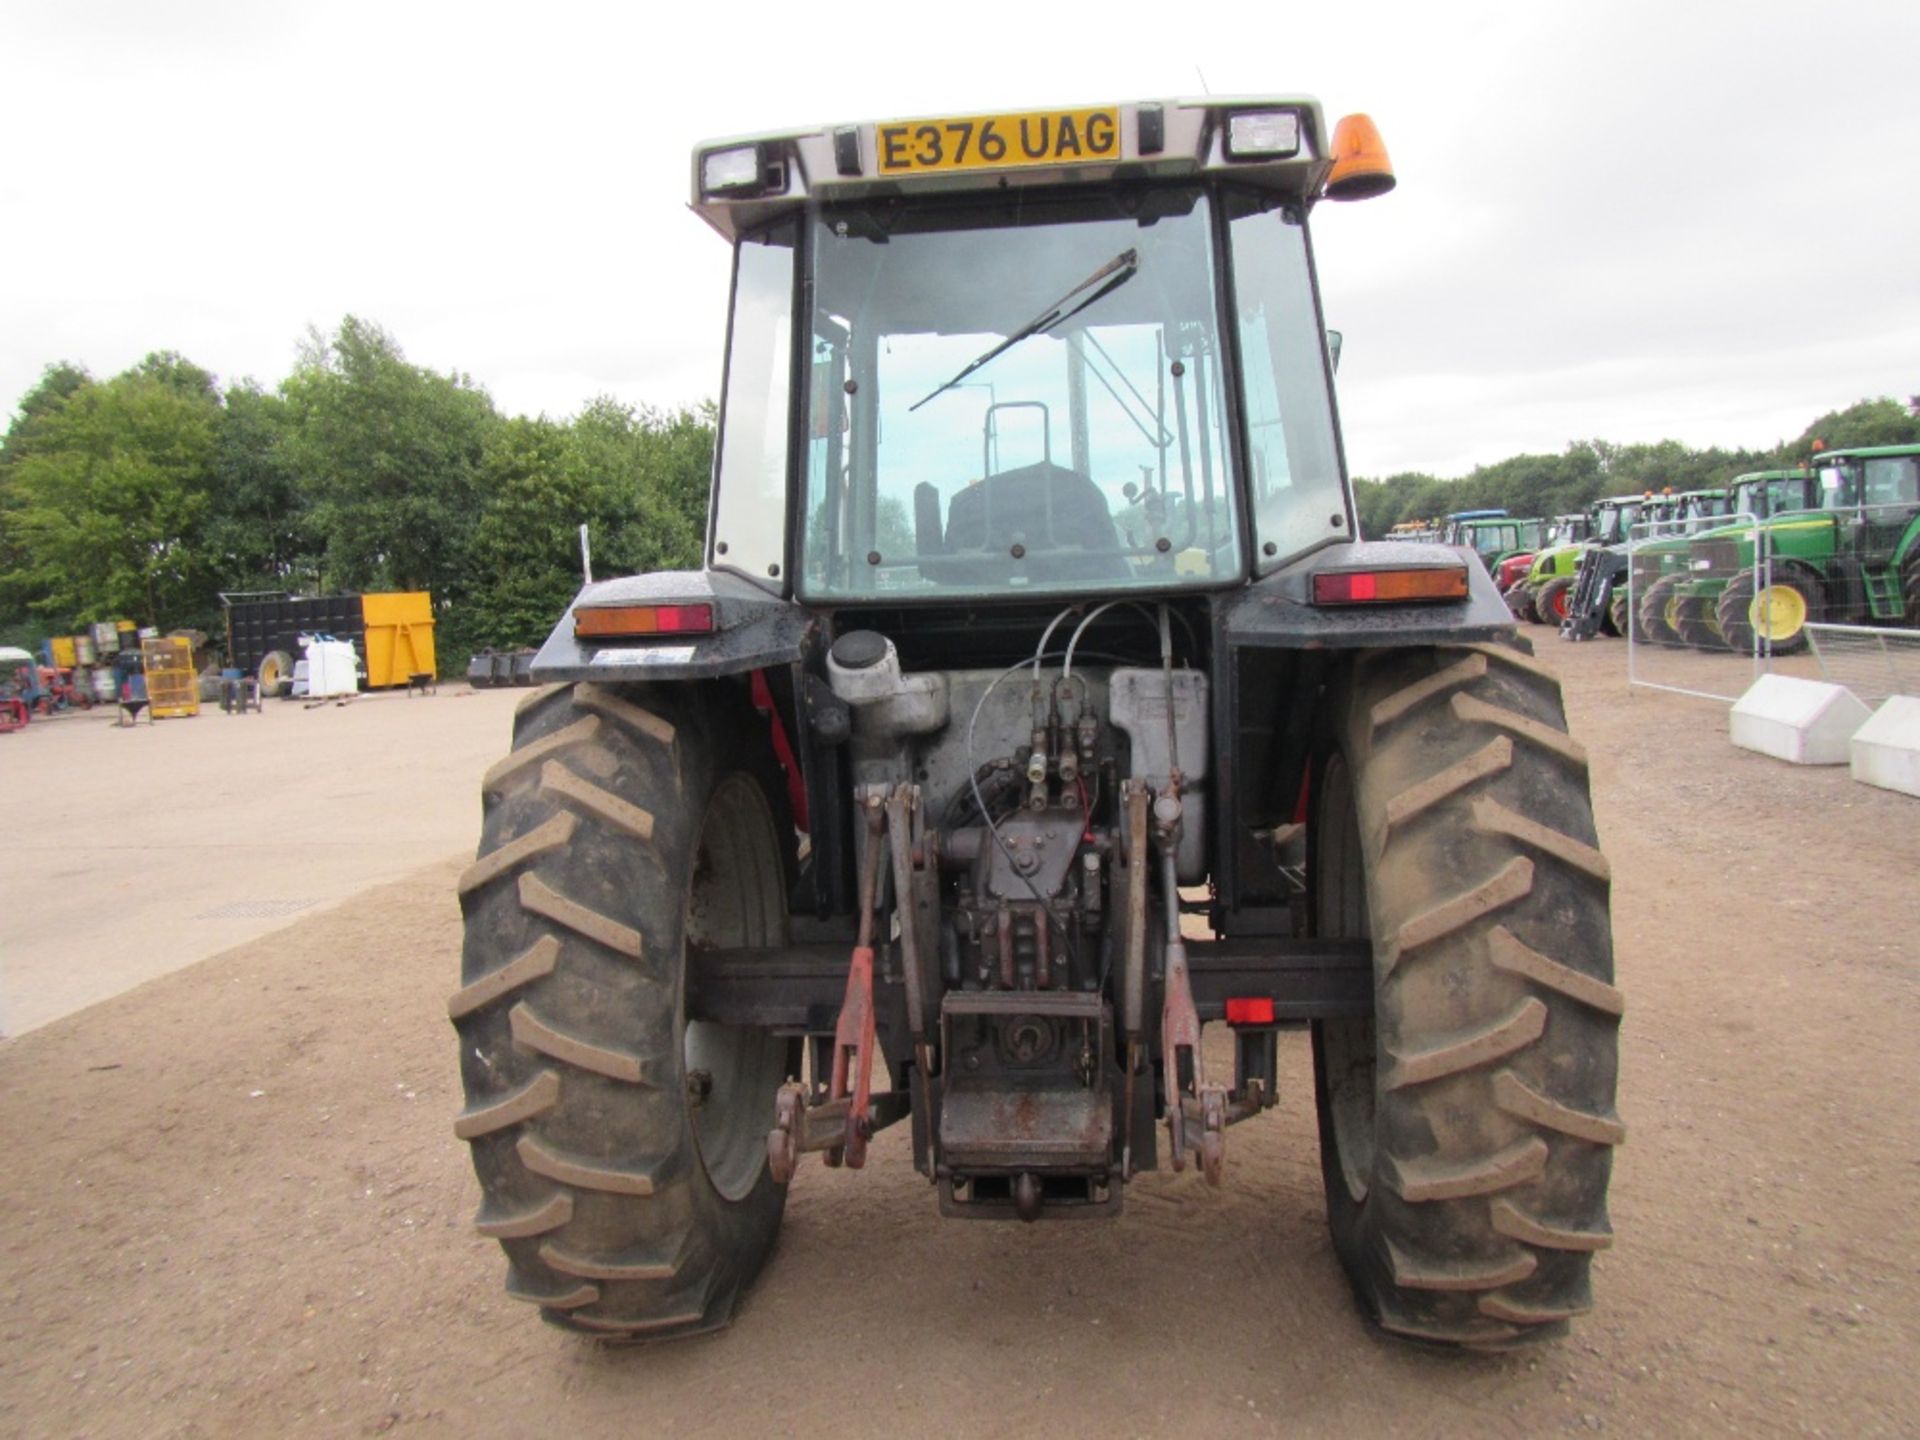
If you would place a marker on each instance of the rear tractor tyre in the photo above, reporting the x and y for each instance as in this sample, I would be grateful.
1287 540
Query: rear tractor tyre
1910 589
1552 600
1519 599
1779 614
620 1147
1695 622
1660 611
1620 611
1467 1127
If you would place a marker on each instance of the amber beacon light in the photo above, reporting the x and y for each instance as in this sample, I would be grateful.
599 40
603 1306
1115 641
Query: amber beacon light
1361 169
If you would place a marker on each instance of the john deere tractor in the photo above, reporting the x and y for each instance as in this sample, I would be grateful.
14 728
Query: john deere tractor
906 808
1854 558
1679 605
1658 563
1596 604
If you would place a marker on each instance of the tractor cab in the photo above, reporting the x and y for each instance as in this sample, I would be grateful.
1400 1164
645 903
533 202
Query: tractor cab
1876 495
1770 492
1566 530
1614 518
1045 354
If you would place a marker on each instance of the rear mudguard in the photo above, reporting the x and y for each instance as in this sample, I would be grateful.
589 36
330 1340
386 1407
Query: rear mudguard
752 631
1278 612
1276 657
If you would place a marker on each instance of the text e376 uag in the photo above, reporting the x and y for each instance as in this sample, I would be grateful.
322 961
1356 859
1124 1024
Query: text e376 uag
1056 137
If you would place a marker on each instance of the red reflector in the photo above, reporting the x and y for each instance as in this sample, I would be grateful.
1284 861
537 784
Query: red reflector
1386 587
1250 1010
610 622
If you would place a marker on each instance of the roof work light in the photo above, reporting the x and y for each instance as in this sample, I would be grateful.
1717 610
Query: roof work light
724 172
1262 134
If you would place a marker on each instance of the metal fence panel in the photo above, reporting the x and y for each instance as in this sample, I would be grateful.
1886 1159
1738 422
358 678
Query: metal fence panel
1874 662
1685 601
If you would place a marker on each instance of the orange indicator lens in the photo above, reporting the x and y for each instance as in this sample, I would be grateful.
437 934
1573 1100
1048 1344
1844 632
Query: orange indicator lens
1389 587
611 622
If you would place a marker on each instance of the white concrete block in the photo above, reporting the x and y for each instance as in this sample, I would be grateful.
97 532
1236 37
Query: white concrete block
1886 750
1808 722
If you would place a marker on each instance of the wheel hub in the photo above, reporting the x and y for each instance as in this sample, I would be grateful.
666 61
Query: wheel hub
1778 612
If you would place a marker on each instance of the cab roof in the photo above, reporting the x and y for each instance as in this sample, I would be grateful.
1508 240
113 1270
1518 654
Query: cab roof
1178 139
1867 452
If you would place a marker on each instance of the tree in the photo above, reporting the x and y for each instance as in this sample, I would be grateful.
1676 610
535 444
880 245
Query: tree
58 383
636 478
258 534
109 498
1867 422
389 455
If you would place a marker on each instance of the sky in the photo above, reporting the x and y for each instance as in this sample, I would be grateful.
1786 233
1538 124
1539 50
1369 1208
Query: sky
1629 221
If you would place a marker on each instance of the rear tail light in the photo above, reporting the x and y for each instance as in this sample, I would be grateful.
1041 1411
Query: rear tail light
628 622
1390 587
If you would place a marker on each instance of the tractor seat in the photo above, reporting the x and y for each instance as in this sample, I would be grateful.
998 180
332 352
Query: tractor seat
1046 508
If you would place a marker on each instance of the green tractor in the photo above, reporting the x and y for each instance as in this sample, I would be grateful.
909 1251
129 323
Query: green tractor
1677 605
1495 538
1510 577
892 812
1598 602
1854 558
1662 554
1550 578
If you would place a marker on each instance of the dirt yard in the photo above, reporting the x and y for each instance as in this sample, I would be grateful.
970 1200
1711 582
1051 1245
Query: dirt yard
234 1204
153 846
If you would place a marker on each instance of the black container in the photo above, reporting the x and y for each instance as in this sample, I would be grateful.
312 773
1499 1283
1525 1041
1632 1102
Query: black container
255 628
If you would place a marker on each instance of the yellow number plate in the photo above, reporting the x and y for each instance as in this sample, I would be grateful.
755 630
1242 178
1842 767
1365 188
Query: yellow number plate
995 142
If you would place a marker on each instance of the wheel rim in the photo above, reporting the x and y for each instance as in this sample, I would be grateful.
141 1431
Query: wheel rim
1557 604
1778 612
1671 614
269 673
1349 1048
733 1071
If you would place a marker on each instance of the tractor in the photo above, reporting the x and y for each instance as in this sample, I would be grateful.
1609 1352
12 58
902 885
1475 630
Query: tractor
1853 557
1552 575
1662 555
1679 604
1512 575
939 799
1599 601
1495 540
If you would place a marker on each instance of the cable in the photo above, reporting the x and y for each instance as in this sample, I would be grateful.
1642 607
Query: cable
1046 635
1094 614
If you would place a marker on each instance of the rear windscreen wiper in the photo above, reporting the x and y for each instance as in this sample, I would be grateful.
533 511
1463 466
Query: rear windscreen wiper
1104 281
